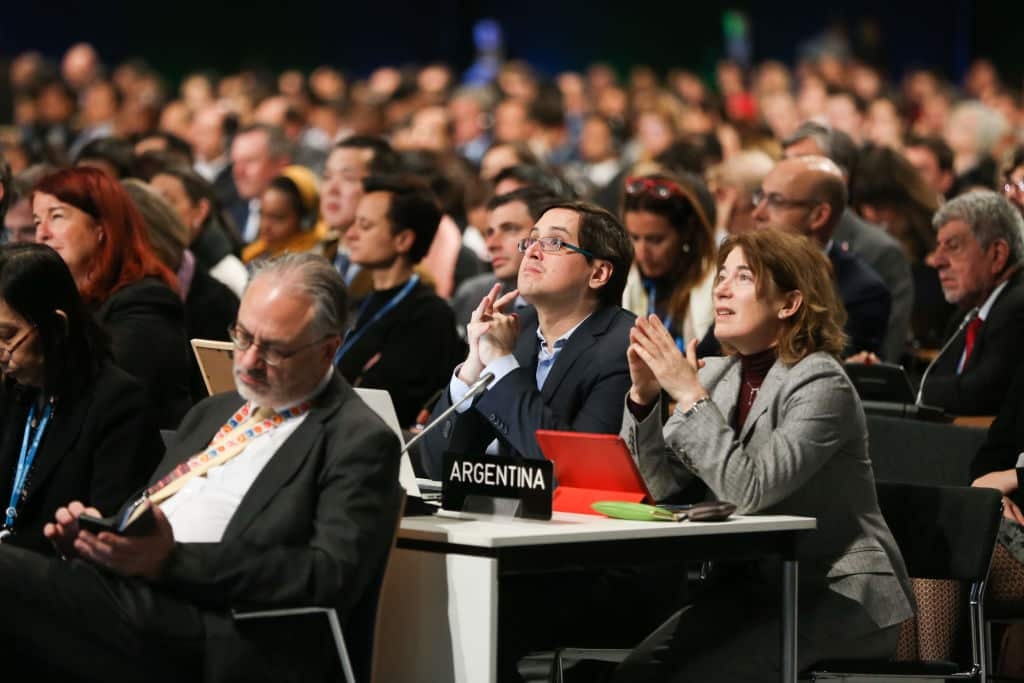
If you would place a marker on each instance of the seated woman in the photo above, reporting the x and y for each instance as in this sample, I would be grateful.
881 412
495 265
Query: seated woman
289 211
999 465
775 427
673 234
212 238
210 306
71 427
89 219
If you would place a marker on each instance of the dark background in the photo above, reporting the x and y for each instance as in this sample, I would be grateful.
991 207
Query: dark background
177 37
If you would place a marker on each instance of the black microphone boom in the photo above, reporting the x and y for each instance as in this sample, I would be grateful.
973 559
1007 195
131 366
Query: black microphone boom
971 315
478 388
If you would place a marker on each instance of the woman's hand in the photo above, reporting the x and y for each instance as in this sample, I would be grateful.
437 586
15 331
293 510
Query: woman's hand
645 387
674 373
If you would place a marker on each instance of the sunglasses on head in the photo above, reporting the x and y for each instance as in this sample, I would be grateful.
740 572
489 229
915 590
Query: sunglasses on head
655 187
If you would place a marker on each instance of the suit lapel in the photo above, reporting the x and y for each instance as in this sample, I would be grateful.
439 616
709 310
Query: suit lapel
727 389
287 460
765 396
526 344
56 443
581 340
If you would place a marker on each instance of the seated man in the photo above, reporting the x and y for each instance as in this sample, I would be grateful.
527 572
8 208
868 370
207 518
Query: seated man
978 255
403 339
510 217
301 513
807 195
560 365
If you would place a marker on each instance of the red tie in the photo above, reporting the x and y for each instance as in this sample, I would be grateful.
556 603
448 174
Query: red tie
972 333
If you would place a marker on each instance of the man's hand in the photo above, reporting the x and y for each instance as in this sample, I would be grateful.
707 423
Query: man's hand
64 529
500 339
1004 481
1012 512
480 324
865 357
143 556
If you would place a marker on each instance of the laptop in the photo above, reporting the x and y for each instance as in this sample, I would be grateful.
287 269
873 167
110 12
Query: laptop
216 364
380 402
589 468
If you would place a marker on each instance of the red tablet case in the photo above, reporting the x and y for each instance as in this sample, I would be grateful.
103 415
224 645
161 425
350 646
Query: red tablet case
589 468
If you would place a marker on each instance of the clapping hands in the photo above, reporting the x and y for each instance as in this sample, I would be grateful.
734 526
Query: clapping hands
655 363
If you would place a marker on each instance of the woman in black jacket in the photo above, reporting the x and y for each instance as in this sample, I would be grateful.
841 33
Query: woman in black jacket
89 219
73 426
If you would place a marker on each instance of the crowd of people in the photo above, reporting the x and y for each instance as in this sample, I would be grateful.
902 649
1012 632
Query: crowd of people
612 252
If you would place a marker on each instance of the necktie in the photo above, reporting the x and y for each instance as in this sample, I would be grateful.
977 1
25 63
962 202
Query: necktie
971 335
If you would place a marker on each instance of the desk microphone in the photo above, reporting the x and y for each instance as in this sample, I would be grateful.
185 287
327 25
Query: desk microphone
478 388
971 315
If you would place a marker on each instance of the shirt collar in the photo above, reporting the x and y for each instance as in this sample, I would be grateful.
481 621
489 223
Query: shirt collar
561 341
991 300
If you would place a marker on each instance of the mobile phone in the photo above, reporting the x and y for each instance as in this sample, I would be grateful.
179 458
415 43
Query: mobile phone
136 520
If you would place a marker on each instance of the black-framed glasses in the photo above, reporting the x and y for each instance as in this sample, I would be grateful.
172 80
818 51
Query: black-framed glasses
6 351
551 245
778 201
271 355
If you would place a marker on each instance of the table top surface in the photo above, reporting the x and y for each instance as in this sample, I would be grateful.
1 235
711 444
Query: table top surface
493 531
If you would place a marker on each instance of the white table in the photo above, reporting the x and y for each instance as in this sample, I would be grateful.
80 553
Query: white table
438 619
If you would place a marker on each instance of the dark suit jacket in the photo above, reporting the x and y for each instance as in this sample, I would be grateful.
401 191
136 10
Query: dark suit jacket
1005 439
146 324
582 393
312 529
981 387
866 299
884 255
98 447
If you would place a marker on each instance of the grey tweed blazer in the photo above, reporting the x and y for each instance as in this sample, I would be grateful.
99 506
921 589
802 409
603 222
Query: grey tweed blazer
801 451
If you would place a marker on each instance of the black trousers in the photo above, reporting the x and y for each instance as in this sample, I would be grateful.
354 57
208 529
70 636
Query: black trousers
732 634
70 621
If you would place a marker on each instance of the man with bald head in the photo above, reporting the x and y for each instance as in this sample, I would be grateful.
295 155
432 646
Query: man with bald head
807 195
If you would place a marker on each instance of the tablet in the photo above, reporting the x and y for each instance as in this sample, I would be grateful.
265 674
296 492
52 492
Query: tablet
591 468
216 364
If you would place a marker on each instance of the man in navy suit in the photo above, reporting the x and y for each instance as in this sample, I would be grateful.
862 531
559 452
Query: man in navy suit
560 365
807 195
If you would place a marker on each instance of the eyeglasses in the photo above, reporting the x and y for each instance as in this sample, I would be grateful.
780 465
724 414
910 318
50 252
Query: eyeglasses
6 351
271 355
1013 186
777 201
656 187
550 245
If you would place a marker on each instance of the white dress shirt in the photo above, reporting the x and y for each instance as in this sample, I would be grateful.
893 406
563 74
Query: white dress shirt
201 510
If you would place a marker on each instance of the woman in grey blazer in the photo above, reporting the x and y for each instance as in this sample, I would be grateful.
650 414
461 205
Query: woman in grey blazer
774 427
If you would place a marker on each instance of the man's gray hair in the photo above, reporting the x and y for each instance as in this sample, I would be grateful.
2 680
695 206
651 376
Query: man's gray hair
317 278
991 217
278 145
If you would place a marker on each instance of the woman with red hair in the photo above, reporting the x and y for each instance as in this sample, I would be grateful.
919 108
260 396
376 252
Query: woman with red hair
91 221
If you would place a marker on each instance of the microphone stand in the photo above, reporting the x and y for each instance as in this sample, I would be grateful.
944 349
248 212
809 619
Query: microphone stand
971 315
415 505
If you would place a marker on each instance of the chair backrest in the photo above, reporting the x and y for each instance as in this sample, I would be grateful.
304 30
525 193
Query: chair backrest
943 532
920 452
361 626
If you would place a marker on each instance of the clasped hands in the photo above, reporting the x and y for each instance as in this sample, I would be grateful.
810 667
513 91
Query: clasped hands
143 556
655 363
491 333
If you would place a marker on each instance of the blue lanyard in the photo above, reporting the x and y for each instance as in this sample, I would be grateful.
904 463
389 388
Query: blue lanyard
25 459
351 338
652 294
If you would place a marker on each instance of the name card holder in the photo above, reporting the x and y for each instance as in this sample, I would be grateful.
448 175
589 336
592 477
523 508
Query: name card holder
497 485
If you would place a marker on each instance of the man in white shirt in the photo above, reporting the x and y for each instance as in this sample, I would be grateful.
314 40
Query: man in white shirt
298 512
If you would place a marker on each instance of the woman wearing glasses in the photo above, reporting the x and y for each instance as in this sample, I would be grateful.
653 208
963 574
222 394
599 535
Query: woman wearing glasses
671 223
89 219
71 423
775 427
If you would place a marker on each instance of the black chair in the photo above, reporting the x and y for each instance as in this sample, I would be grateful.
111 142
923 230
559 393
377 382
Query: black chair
354 653
943 532
919 452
